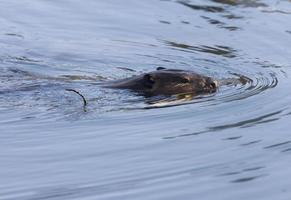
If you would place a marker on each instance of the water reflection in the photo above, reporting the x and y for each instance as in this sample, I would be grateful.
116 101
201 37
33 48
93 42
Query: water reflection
245 175
217 9
276 11
242 171
233 138
246 179
15 35
224 11
241 124
246 3
164 22
249 122
221 24
21 59
216 50
286 150
232 16
277 145
212 9
251 143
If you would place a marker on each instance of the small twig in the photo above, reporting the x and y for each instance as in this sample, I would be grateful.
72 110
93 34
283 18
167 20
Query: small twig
84 100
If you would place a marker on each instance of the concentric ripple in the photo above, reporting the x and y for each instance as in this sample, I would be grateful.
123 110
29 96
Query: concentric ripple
252 86
233 86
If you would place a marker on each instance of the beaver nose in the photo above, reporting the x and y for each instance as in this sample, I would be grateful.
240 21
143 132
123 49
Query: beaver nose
214 84
210 81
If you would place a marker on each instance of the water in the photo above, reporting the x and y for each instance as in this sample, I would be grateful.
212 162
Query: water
235 144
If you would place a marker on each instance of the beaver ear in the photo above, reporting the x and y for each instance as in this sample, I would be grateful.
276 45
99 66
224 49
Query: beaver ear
149 80
160 68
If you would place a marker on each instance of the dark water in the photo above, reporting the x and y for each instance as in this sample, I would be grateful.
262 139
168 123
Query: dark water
235 144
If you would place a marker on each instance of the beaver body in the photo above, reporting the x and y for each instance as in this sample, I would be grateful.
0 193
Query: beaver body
167 82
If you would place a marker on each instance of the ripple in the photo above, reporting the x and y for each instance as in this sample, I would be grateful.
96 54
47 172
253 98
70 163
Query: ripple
221 24
250 3
212 9
235 87
253 86
277 145
15 35
216 50
246 179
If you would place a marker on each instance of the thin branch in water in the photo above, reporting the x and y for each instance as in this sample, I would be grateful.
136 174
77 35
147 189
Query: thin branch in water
84 100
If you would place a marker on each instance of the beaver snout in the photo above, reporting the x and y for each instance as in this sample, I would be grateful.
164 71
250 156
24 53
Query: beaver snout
211 84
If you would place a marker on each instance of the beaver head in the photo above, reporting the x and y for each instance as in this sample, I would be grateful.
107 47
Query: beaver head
168 82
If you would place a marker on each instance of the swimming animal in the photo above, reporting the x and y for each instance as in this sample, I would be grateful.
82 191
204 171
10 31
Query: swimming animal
167 82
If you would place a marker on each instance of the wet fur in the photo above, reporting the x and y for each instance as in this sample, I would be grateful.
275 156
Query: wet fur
167 82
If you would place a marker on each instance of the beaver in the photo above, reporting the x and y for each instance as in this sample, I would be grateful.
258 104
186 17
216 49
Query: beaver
167 82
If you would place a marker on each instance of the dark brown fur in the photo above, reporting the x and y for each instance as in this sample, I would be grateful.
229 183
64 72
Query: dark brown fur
167 82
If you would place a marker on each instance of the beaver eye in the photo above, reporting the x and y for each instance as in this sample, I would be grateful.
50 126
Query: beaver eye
160 68
148 80
185 80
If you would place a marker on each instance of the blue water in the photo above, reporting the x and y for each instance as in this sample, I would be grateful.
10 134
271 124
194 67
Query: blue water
234 144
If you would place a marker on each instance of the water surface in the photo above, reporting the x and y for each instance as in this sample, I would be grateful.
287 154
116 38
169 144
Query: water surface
234 144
